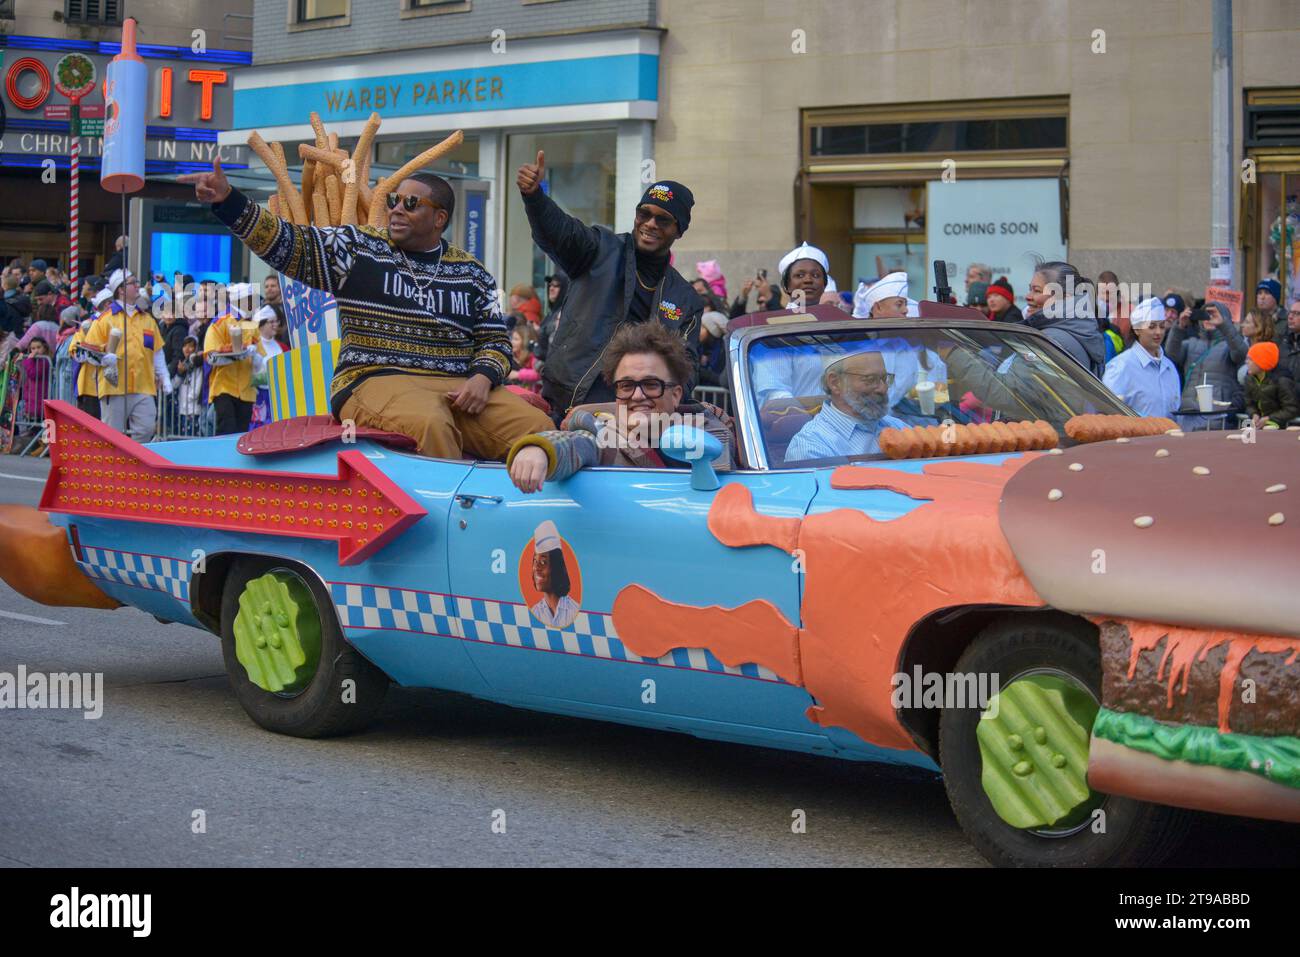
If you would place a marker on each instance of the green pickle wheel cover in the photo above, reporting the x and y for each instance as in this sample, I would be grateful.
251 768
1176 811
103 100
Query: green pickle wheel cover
277 633
1034 752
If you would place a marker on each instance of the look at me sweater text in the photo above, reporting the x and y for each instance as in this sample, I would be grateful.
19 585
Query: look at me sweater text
439 317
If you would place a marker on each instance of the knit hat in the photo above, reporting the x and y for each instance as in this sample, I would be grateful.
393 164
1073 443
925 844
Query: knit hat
711 273
38 264
1272 287
1264 354
715 322
1002 288
673 197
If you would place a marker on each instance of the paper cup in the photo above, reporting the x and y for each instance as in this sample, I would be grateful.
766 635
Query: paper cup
1205 398
925 397
114 339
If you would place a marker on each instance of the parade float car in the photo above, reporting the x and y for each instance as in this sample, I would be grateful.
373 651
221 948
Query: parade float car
1022 537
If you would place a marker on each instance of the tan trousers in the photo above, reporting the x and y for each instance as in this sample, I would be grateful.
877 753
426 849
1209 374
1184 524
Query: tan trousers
417 405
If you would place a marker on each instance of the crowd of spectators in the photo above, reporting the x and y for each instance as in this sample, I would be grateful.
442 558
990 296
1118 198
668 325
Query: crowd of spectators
1152 350
49 348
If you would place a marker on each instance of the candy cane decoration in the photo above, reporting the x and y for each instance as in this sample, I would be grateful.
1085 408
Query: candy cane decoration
74 77
75 209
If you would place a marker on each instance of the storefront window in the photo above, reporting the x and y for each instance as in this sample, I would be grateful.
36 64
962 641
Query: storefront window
462 162
1279 195
580 176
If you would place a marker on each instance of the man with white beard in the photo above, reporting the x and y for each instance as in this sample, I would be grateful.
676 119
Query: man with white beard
856 409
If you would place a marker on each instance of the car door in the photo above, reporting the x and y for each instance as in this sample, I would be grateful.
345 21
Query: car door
621 532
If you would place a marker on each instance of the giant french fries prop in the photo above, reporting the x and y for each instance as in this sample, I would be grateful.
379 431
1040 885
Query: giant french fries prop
336 188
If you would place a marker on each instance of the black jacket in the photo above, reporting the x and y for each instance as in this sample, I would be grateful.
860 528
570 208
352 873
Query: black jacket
601 266
546 331
173 342
1288 349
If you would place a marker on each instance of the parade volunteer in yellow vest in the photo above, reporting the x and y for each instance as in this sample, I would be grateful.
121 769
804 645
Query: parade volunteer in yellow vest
230 387
133 366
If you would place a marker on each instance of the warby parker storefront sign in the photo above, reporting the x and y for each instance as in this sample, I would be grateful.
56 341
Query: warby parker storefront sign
598 79
183 93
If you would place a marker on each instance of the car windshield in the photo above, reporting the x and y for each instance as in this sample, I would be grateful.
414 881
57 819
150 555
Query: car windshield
824 397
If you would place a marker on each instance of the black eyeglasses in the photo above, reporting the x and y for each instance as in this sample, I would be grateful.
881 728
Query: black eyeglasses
410 203
651 388
662 220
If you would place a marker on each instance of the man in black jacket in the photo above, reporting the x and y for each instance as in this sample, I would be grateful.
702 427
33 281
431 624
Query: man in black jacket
614 278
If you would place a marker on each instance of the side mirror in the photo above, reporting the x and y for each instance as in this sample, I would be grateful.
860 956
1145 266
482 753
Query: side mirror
685 443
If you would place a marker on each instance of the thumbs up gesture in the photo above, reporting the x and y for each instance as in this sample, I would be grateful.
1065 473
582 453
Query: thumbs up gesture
531 174
208 187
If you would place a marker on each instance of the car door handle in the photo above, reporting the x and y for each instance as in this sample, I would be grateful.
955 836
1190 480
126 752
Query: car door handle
467 500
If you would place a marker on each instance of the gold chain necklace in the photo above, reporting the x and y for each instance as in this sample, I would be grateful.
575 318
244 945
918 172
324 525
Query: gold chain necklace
641 282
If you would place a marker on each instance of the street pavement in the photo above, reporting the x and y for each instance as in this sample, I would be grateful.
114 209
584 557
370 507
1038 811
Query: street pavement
425 784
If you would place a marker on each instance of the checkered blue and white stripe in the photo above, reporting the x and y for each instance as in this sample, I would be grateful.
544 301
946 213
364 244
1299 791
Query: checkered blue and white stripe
171 576
592 634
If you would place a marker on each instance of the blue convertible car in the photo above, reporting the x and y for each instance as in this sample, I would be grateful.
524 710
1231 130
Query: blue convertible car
932 601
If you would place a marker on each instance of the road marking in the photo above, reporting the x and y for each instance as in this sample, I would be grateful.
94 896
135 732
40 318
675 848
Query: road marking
30 618
21 478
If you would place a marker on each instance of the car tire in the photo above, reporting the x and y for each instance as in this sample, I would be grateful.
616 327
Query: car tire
326 705
1135 833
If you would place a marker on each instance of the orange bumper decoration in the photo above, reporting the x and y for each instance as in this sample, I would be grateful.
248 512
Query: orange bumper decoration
36 561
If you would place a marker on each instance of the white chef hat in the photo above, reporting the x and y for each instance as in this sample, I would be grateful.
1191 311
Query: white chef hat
1148 312
895 284
102 296
236 293
263 314
115 280
803 251
547 537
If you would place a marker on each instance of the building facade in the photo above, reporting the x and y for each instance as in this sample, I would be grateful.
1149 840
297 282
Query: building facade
191 50
575 78
894 132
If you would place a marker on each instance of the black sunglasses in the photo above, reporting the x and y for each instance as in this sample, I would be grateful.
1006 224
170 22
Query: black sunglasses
410 203
662 220
651 388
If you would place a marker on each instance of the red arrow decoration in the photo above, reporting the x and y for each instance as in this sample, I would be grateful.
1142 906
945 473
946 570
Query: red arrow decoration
99 472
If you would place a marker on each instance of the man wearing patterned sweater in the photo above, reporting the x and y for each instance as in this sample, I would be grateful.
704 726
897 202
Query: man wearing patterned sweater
424 346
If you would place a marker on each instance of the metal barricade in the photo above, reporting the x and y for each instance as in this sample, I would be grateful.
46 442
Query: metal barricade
182 413
33 381
714 395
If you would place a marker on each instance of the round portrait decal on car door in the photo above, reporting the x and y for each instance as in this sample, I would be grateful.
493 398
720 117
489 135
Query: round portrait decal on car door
550 579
